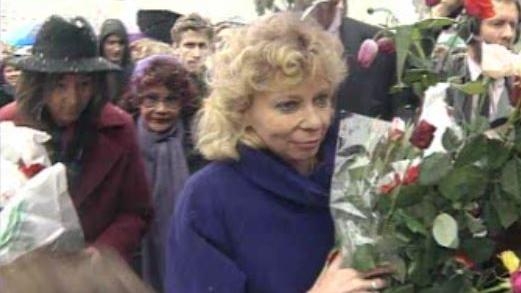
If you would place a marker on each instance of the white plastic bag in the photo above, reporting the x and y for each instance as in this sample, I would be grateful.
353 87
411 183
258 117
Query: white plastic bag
36 209
41 213
19 146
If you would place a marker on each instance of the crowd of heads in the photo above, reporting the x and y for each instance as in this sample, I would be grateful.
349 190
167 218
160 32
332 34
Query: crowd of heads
273 84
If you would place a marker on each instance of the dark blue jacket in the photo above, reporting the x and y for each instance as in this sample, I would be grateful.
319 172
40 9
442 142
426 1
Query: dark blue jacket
255 225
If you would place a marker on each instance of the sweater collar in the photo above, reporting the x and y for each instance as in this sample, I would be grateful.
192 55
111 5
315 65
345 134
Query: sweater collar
269 172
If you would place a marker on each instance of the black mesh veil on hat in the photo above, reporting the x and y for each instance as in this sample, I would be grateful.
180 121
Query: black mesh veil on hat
63 46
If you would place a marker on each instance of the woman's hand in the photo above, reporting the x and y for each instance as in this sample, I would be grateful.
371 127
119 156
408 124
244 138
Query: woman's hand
337 280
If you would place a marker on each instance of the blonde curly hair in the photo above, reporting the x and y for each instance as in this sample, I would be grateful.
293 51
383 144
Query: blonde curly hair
276 53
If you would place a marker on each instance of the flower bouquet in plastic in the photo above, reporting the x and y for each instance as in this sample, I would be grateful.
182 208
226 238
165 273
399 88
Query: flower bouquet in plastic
36 209
430 201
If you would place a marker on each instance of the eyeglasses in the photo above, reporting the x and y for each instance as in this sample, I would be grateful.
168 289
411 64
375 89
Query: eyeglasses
152 101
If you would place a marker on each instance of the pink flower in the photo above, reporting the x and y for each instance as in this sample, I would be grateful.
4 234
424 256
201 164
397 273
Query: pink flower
386 45
515 280
431 3
422 135
397 129
367 53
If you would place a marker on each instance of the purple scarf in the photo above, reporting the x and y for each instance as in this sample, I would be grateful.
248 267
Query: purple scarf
167 171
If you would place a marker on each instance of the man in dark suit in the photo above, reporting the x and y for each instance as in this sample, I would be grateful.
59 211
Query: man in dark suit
502 29
364 91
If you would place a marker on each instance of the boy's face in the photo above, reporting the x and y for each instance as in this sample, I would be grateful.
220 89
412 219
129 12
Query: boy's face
193 49
113 49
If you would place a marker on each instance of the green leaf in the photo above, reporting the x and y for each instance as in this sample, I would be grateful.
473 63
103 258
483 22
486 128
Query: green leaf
506 211
409 195
409 288
475 225
418 271
455 285
497 154
364 258
433 23
424 76
450 140
397 88
491 218
517 141
417 63
403 42
415 225
445 231
399 268
434 167
473 150
470 88
479 249
465 183
511 177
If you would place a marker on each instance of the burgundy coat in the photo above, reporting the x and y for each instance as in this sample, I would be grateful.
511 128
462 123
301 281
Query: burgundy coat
112 196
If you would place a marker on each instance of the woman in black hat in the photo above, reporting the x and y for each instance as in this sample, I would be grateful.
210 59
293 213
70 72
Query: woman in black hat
62 91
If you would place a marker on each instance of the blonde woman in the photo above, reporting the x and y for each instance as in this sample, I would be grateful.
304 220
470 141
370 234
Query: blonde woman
257 219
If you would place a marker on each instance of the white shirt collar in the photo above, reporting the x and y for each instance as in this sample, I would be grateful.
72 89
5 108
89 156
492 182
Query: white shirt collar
474 68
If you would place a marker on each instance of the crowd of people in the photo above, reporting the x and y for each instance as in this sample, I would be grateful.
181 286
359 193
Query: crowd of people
205 163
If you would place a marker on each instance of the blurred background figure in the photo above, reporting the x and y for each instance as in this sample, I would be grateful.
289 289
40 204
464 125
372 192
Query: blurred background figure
192 38
8 78
156 23
145 47
47 272
114 46
223 30
365 91
161 88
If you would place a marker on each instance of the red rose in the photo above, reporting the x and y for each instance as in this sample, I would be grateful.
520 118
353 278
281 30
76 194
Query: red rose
431 3
30 170
481 9
367 53
462 258
423 134
515 280
386 45
388 188
411 175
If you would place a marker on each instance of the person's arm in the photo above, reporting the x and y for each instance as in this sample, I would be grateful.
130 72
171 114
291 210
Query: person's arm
135 206
196 260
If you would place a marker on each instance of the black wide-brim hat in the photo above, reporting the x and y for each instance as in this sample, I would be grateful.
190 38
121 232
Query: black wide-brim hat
64 46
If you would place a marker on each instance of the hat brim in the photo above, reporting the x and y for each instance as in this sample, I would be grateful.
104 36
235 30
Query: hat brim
83 65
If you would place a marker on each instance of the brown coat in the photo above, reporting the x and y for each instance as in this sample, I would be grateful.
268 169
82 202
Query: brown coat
112 197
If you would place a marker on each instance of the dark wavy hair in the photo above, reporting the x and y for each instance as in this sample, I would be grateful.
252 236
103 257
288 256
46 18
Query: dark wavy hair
31 91
163 70
33 87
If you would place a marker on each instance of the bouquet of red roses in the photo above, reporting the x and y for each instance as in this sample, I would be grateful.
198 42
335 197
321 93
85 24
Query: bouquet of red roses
432 213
